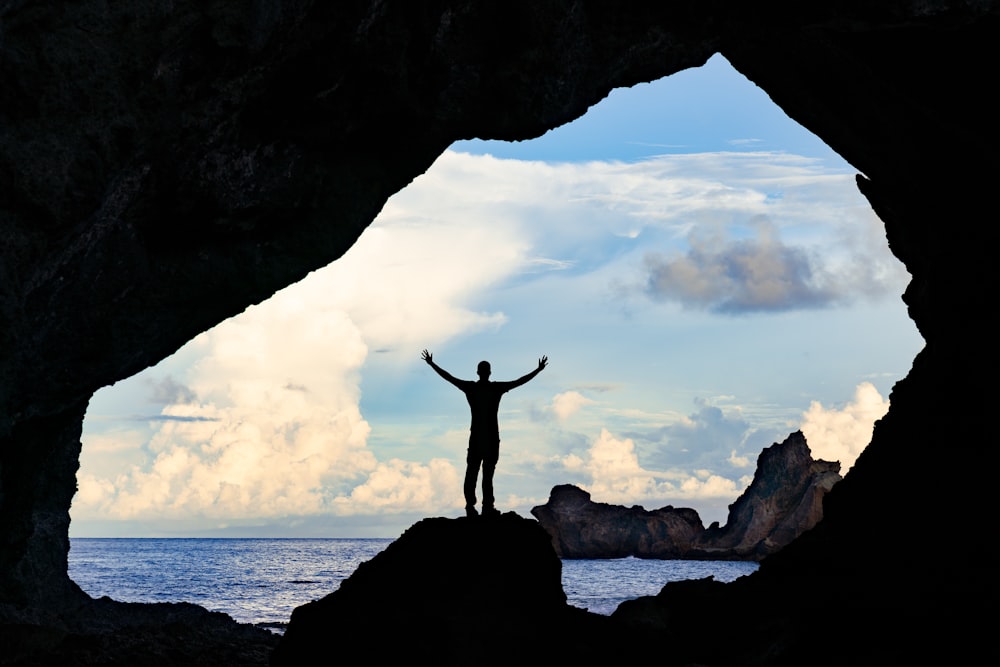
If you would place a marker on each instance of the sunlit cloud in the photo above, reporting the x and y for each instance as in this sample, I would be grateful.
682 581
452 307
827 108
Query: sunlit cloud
404 486
739 461
408 280
566 404
842 434
616 476
249 445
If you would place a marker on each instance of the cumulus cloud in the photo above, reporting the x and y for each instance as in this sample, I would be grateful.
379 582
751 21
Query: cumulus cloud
273 432
408 280
842 434
741 275
566 404
616 476
739 461
250 446
404 486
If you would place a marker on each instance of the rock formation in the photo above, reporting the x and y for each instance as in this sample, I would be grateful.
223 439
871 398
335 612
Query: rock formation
108 632
581 528
784 500
482 591
163 165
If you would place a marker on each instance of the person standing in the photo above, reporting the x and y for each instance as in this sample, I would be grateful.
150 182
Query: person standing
483 396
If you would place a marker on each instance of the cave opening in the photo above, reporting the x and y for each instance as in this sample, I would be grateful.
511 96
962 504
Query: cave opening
696 292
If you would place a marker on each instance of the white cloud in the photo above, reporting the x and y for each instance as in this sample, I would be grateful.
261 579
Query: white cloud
403 486
407 282
566 404
276 430
842 434
739 461
617 477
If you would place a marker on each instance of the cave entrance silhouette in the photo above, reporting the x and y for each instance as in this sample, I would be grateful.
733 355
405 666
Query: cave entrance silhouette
186 426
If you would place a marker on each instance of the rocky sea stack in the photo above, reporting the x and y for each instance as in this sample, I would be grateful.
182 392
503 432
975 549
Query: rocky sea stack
784 500
163 165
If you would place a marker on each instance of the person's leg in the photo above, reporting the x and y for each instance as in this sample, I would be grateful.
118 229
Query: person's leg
472 462
489 467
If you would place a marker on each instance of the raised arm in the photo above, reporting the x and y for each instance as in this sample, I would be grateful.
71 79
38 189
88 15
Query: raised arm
429 358
542 363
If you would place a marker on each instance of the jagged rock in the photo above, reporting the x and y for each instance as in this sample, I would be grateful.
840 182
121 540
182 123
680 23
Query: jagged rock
581 528
784 500
165 164
483 591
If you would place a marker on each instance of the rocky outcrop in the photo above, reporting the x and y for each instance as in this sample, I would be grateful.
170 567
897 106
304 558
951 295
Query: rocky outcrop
108 632
165 164
784 500
581 528
468 591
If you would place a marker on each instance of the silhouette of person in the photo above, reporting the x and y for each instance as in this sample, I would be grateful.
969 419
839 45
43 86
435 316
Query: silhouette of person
484 432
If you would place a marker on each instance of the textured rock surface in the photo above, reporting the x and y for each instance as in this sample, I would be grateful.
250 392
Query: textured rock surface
581 528
165 164
784 500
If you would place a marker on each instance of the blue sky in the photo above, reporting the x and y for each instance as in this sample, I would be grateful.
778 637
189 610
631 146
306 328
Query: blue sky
702 273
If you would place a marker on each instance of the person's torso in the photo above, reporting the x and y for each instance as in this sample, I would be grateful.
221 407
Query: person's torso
484 402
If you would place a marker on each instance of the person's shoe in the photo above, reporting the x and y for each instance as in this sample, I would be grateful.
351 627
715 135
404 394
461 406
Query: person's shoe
471 512
491 511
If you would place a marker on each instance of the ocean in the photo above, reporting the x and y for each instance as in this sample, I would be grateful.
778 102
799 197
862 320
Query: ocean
261 581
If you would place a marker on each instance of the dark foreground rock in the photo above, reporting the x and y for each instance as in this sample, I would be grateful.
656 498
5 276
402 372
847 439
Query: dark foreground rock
480 591
784 500
106 632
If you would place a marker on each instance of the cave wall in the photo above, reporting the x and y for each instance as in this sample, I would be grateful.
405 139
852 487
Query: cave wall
163 165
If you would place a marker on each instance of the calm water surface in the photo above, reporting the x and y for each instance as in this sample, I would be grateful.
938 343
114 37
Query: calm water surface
263 580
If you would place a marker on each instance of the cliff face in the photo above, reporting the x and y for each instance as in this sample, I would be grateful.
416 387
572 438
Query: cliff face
784 500
165 164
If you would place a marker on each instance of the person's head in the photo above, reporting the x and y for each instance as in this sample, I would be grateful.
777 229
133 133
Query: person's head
484 370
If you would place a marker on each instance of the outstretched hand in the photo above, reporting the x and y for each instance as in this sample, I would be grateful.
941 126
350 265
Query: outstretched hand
427 356
543 362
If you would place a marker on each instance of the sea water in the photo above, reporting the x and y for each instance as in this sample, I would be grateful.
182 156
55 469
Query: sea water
261 581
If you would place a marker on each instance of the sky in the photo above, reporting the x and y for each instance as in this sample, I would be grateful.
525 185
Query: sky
701 271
